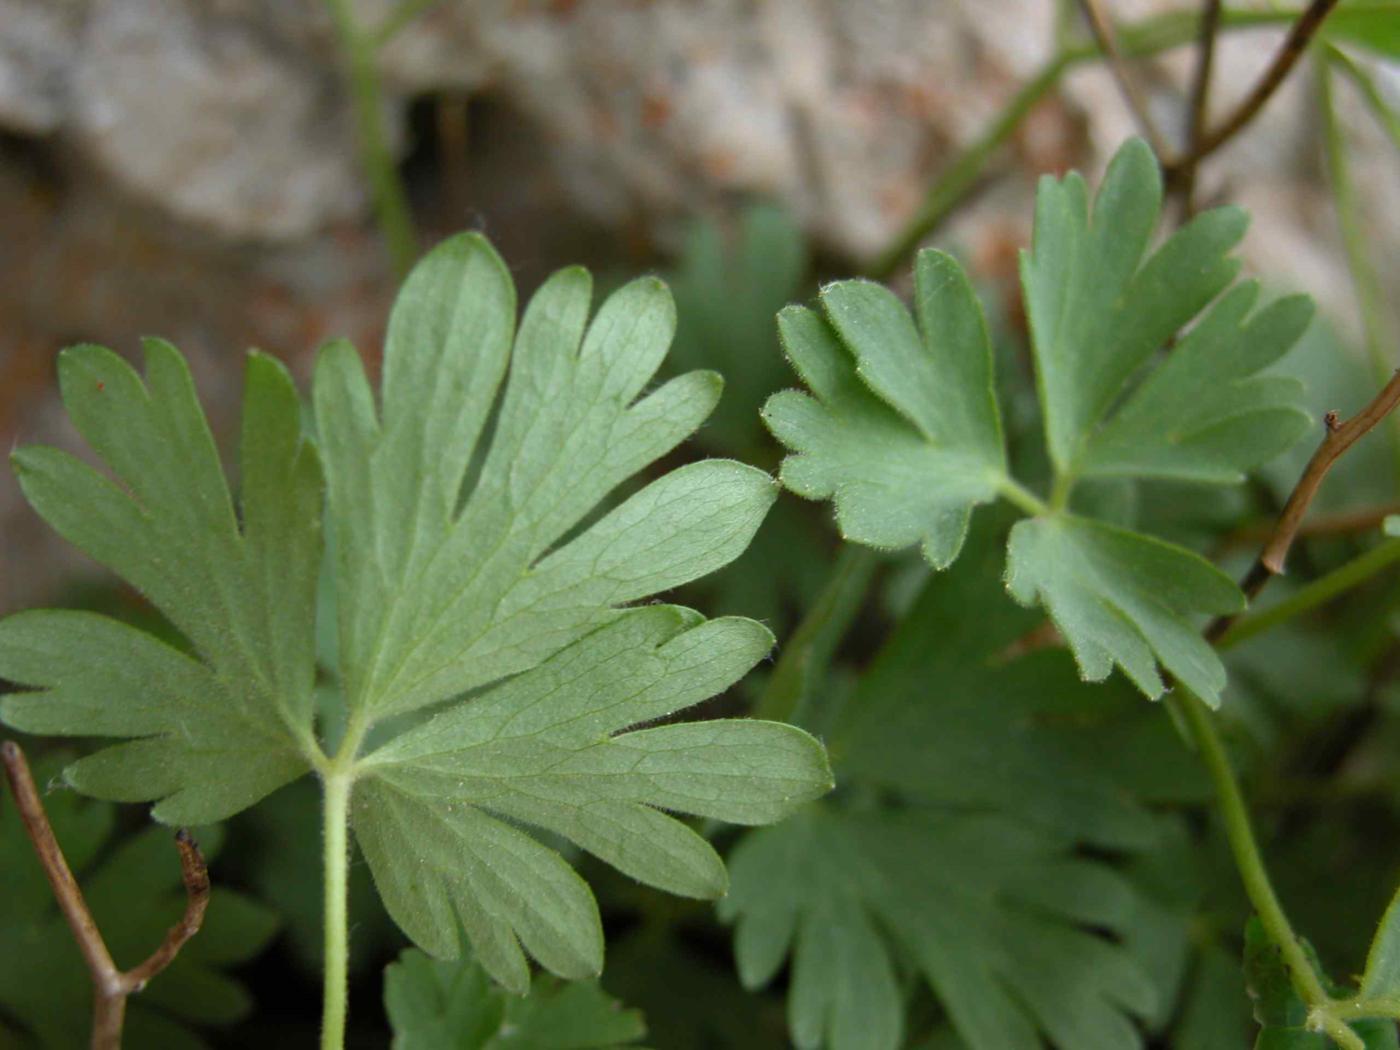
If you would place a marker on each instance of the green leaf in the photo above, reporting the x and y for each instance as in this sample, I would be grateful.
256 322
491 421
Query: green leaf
435 599
903 431
1205 414
541 750
453 1006
487 667
992 913
1381 981
1097 312
1282 1014
727 290
224 725
942 716
1374 24
134 890
441 594
1122 598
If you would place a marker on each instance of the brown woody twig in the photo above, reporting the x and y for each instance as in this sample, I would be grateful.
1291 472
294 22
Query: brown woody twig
1341 523
1107 40
1339 438
111 986
1294 45
1199 105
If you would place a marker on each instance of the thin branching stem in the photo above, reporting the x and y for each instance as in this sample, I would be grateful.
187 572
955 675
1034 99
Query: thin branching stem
963 175
1198 109
1107 38
1355 240
1321 591
1340 437
1243 845
111 985
1293 48
358 51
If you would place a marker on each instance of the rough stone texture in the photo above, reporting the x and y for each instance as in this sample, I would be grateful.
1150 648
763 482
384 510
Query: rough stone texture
189 167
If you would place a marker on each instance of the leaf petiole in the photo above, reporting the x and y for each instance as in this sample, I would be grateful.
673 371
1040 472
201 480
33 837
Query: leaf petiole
1022 498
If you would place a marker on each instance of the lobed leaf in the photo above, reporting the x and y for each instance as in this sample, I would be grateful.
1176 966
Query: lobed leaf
546 749
490 581
225 724
1122 598
903 431
989 911
453 1006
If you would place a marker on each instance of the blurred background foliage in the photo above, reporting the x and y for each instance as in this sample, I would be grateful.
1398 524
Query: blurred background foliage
202 171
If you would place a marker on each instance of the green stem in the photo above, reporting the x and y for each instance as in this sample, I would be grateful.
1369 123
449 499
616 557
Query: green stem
336 787
1355 237
390 199
1319 592
400 18
1022 498
1148 37
1370 91
1198 720
811 645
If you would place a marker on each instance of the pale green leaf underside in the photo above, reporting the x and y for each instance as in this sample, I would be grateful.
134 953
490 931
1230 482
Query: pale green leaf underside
223 727
1123 598
991 913
546 749
439 596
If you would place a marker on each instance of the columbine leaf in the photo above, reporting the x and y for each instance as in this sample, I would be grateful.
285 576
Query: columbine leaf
1122 598
903 432
442 593
905 437
435 600
133 888
461 573
956 851
988 910
540 750
943 717
453 1006
223 726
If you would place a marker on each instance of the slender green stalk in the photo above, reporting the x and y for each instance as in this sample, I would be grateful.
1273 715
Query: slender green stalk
1023 498
954 182
810 646
1374 321
400 18
336 788
1370 91
1199 723
390 199
1319 592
